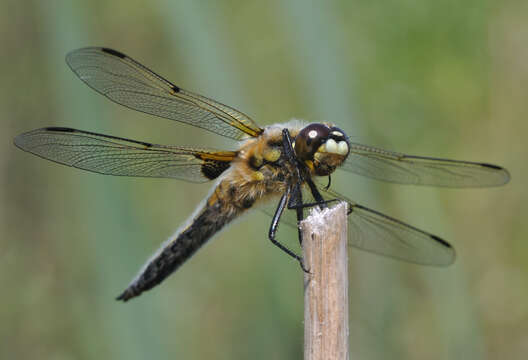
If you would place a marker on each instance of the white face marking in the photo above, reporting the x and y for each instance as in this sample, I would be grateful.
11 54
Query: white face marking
312 134
337 133
331 146
342 148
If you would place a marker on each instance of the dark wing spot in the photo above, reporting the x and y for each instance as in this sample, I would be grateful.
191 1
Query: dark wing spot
175 88
70 130
62 129
212 169
113 52
441 241
492 166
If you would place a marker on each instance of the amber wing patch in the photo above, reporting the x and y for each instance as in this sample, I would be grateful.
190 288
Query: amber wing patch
214 164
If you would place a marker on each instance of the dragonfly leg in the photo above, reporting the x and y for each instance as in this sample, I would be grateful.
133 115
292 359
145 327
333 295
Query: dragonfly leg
315 193
275 225
329 182
296 203
290 154
288 147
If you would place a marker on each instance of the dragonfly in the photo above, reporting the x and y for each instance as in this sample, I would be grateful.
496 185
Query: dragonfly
281 163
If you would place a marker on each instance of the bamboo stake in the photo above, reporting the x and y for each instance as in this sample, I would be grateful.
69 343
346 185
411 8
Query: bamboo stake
325 253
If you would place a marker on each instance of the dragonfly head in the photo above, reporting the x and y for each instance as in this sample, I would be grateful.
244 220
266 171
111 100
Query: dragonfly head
321 147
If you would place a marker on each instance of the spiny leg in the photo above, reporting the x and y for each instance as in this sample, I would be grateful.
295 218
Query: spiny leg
288 147
296 201
315 193
275 225
290 155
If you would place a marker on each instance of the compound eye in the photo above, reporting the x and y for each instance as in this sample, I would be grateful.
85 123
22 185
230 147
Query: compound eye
309 139
314 133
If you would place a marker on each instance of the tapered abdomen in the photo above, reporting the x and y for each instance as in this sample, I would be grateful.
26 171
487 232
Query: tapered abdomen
214 215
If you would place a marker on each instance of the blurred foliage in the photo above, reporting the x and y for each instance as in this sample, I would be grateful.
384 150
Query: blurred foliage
446 78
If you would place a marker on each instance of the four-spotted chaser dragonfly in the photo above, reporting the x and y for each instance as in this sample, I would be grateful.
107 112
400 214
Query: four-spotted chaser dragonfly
278 161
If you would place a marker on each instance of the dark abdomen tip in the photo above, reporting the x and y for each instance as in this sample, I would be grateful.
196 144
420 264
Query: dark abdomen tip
126 295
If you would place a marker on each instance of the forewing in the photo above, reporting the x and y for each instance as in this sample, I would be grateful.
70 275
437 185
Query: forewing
378 233
127 82
407 169
112 155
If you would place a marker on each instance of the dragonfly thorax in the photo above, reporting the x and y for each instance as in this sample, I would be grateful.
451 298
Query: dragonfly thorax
321 147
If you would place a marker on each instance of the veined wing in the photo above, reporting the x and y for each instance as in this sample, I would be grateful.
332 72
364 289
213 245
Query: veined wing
113 155
373 231
127 82
417 170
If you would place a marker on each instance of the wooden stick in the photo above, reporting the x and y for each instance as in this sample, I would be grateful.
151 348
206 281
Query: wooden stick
325 254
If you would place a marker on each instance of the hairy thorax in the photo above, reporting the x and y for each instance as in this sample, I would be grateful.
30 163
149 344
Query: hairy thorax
260 170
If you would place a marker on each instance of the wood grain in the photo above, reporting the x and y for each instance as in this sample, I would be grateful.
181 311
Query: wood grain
325 253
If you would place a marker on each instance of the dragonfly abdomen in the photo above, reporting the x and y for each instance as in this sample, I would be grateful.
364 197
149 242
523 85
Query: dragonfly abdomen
216 213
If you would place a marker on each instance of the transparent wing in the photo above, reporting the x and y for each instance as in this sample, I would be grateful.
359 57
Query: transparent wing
112 155
373 231
127 82
407 169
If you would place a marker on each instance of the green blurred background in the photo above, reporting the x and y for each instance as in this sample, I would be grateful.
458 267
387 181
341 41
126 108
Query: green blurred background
446 79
